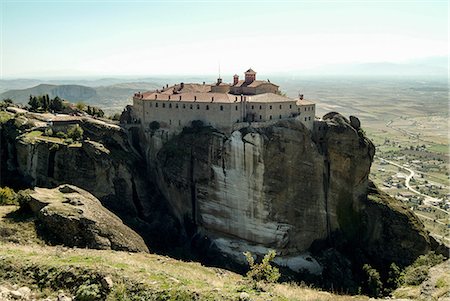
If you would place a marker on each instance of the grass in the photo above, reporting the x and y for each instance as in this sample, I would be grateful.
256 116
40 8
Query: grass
28 261
5 116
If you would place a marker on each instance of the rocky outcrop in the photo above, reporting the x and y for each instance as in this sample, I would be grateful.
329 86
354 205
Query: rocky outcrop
71 216
279 186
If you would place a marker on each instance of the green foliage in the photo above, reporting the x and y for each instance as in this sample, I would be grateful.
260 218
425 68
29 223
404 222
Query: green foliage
154 125
262 271
48 132
75 132
23 198
81 106
374 286
68 140
88 292
61 135
394 277
8 196
44 103
416 273
95 111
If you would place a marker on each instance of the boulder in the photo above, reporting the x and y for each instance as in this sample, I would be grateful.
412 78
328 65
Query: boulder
72 216
355 123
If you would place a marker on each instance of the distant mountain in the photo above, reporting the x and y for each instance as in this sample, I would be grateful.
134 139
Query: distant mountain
111 98
433 66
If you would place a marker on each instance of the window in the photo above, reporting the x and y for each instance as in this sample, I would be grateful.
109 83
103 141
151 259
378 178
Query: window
280 116
170 121
184 106
207 107
236 108
221 108
270 117
260 117
280 106
270 107
191 107
170 106
290 106
253 107
309 118
260 107
306 118
198 107
156 104
176 106
164 105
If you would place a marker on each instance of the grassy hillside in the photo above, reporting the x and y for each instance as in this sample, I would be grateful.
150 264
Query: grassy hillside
26 260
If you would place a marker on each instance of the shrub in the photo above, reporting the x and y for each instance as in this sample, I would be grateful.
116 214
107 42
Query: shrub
373 283
68 141
417 272
154 125
61 135
23 197
394 277
262 271
48 132
7 196
88 292
75 132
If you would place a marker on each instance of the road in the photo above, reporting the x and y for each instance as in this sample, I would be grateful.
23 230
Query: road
427 199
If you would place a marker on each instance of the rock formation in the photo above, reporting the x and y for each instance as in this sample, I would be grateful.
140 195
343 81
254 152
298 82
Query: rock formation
279 186
71 216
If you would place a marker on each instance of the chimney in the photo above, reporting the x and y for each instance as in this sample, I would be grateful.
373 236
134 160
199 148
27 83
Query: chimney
235 79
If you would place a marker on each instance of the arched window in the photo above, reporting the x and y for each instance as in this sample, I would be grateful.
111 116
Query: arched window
156 104
221 108
280 116
270 117
280 106
236 108
207 107
170 106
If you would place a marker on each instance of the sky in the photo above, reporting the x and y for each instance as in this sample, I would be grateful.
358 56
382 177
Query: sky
140 38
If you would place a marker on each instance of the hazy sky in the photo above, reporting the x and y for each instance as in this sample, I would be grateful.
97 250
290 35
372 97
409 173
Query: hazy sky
51 38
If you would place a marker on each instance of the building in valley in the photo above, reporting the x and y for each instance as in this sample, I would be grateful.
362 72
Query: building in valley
220 105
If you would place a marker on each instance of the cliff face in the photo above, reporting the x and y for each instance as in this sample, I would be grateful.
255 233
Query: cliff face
278 186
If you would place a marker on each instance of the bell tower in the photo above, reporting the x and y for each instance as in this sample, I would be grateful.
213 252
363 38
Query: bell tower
250 76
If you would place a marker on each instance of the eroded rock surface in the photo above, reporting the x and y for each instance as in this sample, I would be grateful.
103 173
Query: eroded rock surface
74 217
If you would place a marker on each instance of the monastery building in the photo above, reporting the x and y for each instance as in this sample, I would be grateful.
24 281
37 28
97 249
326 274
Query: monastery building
220 105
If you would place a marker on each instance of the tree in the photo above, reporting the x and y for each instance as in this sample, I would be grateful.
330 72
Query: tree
34 102
374 285
56 104
262 271
75 132
8 101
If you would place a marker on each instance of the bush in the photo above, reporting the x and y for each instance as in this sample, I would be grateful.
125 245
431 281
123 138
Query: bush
8 196
61 135
262 271
394 277
75 132
417 272
68 141
88 292
48 132
373 283
23 197
154 125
